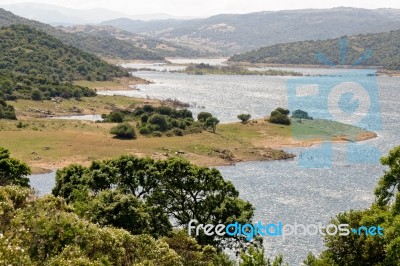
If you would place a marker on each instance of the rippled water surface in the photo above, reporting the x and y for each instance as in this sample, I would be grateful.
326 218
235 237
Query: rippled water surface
281 190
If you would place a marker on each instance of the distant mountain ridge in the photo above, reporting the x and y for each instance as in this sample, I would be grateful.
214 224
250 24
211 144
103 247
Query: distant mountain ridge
100 45
233 33
56 15
379 49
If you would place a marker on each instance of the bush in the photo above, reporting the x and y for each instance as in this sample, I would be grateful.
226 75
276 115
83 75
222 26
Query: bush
124 131
202 116
244 117
37 95
160 121
144 118
282 111
144 130
279 119
157 134
178 132
115 117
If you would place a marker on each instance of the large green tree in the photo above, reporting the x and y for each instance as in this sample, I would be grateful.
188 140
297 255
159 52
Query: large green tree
12 171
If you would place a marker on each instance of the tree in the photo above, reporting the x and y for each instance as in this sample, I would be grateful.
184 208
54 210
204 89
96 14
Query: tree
172 190
202 116
124 131
37 95
280 116
12 171
244 118
212 123
300 114
389 184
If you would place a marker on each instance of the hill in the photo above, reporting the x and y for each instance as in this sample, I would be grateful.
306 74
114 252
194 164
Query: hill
236 33
382 49
36 65
101 45
145 44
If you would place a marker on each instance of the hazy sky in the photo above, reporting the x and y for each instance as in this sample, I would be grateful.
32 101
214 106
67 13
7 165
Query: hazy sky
208 7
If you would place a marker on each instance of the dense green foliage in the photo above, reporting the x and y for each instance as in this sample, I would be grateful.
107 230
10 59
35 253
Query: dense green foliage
12 171
124 131
379 49
158 120
162 194
6 111
385 212
280 116
88 226
203 69
36 65
212 123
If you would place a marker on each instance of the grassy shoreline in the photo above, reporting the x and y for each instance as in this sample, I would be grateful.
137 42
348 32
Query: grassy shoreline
47 144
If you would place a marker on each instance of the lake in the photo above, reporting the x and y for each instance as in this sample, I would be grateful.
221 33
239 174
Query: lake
282 190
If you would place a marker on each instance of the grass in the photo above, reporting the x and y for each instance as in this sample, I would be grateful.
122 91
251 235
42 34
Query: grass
50 144
96 84
100 104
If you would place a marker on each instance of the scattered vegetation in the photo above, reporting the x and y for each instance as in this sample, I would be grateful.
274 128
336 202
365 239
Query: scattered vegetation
203 69
384 47
156 121
37 66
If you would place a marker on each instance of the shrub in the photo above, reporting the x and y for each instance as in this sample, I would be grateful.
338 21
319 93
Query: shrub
301 114
244 117
279 119
178 132
144 130
157 134
144 118
37 95
115 117
159 120
282 111
202 116
124 131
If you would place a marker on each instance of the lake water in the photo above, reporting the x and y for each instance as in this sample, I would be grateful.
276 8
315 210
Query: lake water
282 190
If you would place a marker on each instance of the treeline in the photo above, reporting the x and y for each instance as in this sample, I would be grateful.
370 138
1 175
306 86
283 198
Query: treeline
378 49
203 69
32 60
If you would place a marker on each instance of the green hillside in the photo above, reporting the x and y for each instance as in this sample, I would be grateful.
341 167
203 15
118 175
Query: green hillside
100 45
379 49
36 65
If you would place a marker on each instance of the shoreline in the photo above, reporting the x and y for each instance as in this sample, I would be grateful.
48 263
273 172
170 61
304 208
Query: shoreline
43 168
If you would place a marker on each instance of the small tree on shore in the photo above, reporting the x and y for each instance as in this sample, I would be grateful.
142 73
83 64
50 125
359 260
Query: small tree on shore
212 123
244 118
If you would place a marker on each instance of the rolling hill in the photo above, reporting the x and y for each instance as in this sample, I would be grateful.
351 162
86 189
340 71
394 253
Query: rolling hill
379 49
236 33
35 65
101 45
